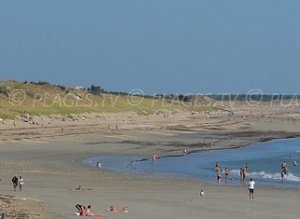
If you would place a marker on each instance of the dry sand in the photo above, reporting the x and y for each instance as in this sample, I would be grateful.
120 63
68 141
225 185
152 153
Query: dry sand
48 157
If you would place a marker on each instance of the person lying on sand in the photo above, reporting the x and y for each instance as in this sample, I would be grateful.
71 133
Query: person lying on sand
83 211
80 188
117 210
87 211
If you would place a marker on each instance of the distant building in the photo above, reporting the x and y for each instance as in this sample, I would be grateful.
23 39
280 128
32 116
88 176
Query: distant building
78 88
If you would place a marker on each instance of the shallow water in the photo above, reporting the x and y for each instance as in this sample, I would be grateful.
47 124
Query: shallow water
264 160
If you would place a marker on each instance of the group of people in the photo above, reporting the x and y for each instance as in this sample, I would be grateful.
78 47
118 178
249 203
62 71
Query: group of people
243 172
17 182
154 156
219 171
87 211
84 211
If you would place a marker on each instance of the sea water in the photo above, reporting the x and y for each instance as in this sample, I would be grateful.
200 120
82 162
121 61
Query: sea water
263 159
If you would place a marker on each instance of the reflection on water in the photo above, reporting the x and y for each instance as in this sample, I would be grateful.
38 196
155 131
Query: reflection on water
264 161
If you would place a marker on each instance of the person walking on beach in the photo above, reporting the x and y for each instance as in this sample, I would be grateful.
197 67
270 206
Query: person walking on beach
15 181
21 183
251 188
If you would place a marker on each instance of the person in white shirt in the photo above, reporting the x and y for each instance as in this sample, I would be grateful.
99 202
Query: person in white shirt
251 188
21 183
202 193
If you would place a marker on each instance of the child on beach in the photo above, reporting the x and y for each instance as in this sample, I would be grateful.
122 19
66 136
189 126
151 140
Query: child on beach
21 183
202 194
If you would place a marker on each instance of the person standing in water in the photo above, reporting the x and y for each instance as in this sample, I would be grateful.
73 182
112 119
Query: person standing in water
242 175
226 171
246 167
218 173
295 163
284 170
153 157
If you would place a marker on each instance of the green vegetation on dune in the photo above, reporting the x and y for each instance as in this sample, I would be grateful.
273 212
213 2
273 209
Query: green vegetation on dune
42 98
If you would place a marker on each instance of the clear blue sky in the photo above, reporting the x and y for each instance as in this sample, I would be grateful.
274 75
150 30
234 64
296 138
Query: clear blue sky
166 46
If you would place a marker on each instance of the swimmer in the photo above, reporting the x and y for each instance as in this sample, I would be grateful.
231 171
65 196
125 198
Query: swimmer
226 173
153 158
295 163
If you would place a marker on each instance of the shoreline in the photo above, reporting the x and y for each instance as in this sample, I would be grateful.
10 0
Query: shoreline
274 184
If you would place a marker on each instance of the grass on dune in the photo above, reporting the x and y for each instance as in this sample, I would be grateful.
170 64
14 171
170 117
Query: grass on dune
46 99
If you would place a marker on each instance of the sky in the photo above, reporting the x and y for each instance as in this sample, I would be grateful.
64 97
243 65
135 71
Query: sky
158 46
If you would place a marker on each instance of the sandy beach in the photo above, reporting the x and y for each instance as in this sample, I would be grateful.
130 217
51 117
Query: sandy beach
48 155
142 107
